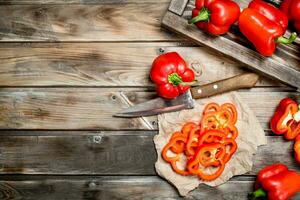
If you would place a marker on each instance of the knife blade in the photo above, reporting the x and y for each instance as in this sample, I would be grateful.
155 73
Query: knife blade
186 100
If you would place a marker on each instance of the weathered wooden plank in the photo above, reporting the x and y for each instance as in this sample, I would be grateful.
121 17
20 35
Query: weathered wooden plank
116 187
93 108
104 153
113 188
104 64
106 22
226 45
177 6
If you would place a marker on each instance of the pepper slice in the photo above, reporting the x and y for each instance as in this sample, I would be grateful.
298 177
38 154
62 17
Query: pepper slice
187 128
229 151
219 117
176 158
177 170
231 131
297 149
192 141
211 107
220 137
193 168
211 136
232 109
179 146
210 154
168 147
212 176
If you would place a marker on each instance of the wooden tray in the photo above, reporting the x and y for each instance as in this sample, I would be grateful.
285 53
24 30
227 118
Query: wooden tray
284 65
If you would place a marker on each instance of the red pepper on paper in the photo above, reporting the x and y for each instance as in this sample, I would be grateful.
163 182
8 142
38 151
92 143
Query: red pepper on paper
292 9
215 16
205 152
171 75
264 26
286 119
276 182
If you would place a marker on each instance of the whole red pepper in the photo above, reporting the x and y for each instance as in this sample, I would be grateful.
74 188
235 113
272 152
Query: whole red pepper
264 26
297 149
277 182
292 9
286 119
215 16
171 75
270 12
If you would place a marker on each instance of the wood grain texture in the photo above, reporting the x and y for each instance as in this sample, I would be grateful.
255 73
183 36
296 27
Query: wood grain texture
177 6
116 187
105 64
106 22
93 108
104 153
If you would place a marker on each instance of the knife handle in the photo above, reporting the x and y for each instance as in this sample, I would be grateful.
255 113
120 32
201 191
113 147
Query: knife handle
246 80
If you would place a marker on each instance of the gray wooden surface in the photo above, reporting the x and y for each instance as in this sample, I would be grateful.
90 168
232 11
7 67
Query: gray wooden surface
67 66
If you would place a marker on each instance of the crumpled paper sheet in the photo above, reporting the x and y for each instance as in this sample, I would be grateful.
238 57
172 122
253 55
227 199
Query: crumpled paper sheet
251 135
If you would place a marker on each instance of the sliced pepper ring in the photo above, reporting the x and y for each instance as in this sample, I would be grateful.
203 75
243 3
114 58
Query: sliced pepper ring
293 129
209 154
211 135
179 146
211 107
209 177
232 109
177 170
192 141
233 147
231 131
297 149
187 128
168 147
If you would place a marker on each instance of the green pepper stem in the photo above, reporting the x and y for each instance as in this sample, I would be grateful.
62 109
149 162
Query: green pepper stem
202 16
284 40
298 106
175 79
257 193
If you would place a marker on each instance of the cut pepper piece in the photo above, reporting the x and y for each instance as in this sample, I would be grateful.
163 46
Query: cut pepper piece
168 147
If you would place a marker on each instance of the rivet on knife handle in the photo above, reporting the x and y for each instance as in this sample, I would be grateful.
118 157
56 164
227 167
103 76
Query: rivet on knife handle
246 80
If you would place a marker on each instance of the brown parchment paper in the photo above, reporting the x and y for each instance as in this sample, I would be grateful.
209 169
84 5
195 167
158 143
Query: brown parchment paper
251 135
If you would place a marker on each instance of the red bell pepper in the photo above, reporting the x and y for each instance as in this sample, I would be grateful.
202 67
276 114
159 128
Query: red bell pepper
297 149
276 182
264 26
171 75
215 16
292 9
286 119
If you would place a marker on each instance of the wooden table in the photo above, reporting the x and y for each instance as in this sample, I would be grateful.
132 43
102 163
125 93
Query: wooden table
66 67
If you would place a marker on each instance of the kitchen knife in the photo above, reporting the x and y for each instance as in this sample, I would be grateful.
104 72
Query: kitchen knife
186 100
